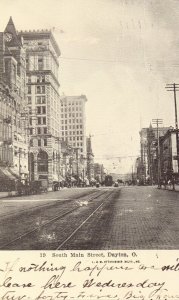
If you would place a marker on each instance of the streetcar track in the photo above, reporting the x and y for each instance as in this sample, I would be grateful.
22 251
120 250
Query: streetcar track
79 227
13 213
47 223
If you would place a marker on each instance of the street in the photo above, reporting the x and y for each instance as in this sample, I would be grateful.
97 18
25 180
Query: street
91 218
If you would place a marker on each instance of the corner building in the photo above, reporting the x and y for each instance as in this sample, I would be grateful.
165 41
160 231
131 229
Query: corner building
13 135
42 53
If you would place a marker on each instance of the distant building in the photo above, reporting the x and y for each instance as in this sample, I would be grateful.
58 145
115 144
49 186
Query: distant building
43 103
99 173
13 134
73 121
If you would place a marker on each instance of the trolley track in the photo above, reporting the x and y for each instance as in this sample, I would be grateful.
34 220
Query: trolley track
92 214
58 201
24 235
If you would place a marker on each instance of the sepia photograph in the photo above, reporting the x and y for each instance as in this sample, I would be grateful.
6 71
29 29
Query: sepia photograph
89 138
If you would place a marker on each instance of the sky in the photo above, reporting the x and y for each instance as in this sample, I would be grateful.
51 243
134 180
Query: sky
120 54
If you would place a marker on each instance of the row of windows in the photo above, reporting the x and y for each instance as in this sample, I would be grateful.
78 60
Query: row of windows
71 103
40 121
71 115
74 138
71 126
38 79
39 63
73 121
71 132
41 110
71 109
40 130
38 100
39 142
39 89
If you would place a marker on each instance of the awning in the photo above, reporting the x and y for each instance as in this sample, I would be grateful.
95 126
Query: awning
6 174
73 179
14 172
60 178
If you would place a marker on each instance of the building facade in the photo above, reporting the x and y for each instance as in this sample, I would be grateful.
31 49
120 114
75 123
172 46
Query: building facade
13 134
43 103
168 154
73 121
99 173
73 130
148 168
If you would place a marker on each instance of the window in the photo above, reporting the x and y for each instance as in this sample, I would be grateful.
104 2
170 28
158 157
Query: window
31 131
45 142
44 120
39 143
28 78
40 89
38 130
43 99
29 100
43 109
38 120
28 89
43 89
38 110
40 63
40 78
30 121
45 130
27 63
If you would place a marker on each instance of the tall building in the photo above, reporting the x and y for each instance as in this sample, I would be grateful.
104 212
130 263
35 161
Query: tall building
73 121
13 135
148 147
43 102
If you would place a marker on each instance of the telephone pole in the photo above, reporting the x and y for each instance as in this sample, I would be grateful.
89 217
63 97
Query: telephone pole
158 122
174 87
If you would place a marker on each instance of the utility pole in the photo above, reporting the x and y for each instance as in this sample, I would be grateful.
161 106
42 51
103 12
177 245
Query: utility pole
158 122
173 87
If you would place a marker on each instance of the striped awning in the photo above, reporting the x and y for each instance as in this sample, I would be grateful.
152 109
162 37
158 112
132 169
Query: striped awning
6 174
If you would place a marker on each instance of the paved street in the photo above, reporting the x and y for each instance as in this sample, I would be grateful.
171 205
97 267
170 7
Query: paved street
92 218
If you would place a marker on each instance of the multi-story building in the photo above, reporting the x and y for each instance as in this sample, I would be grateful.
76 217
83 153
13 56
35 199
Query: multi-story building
149 152
43 102
73 121
168 153
13 135
99 173
73 129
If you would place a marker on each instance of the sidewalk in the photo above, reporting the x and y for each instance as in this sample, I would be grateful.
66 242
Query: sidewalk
171 188
7 194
